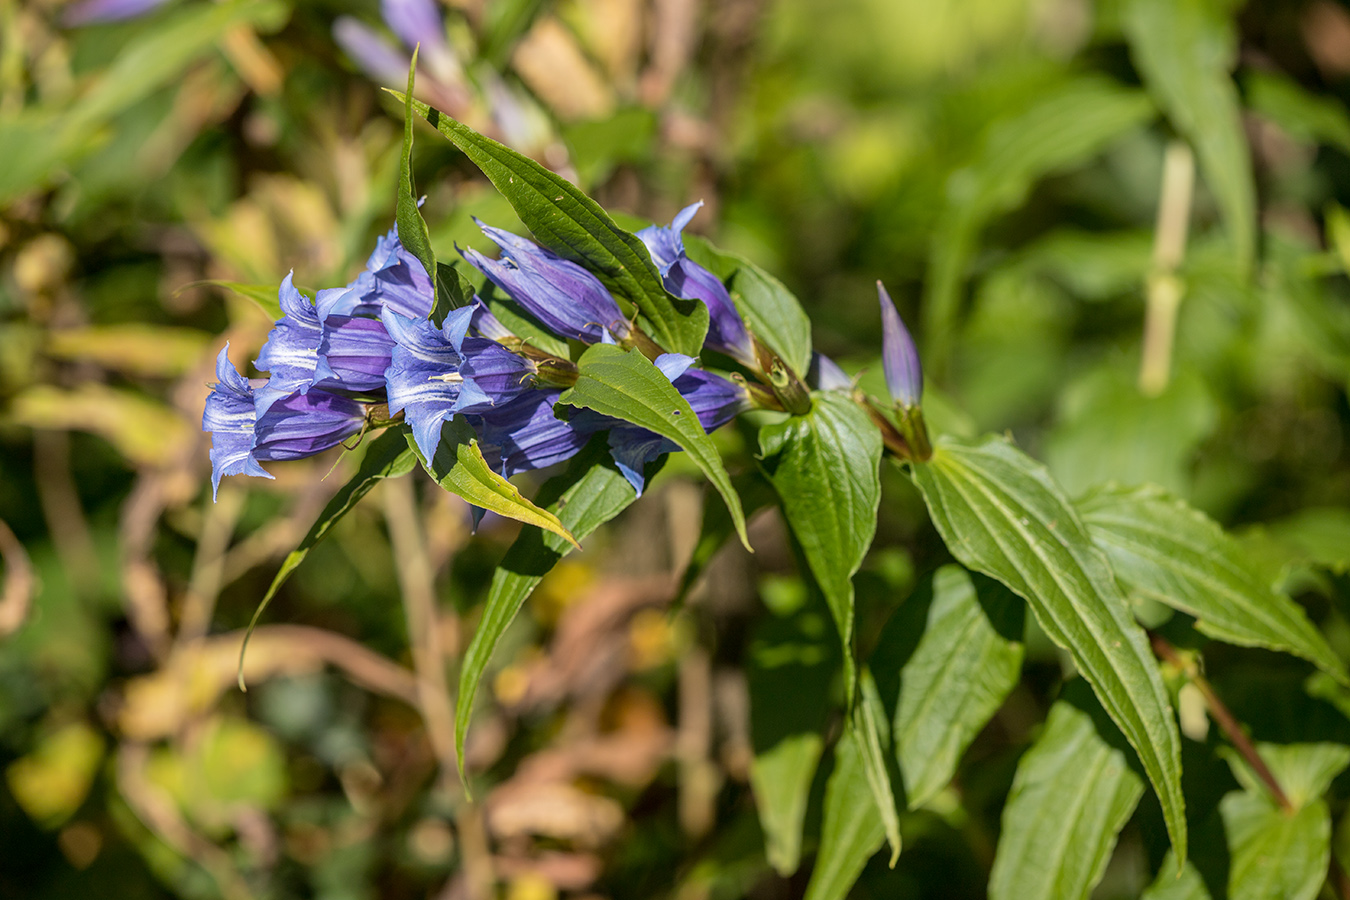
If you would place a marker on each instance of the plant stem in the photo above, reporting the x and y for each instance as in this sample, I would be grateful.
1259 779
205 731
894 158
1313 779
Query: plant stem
1164 288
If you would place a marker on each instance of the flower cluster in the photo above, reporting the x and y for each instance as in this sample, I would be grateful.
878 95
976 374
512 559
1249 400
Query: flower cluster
368 353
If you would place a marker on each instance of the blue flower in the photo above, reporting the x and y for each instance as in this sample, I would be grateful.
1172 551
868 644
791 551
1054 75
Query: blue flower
291 352
524 434
353 355
291 427
434 373
826 375
394 279
567 299
687 279
899 357
95 11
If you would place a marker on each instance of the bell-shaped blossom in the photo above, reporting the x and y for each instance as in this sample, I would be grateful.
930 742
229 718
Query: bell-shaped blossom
435 373
353 355
687 279
291 352
91 12
525 434
567 299
899 357
394 279
418 23
825 374
293 426
370 51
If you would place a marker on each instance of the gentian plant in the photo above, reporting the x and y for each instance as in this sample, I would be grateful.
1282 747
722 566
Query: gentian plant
630 347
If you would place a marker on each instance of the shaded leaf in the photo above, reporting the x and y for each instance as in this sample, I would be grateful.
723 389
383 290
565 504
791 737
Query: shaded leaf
412 228
852 830
999 513
1163 549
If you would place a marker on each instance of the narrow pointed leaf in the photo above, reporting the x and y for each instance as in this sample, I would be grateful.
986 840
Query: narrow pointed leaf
625 385
387 456
852 829
459 467
999 513
947 684
1162 548
1185 50
793 656
564 219
588 494
872 731
412 228
1072 794
825 466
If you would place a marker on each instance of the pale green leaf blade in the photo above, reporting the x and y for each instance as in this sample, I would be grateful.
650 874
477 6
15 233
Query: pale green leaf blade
1072 794
825 466
569 223
999 513
625 385
769 309
588 494
387 456
795 656
1185 50
852 830
459 467
1161 548
948 685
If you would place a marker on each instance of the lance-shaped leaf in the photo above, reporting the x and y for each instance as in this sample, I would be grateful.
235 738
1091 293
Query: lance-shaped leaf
770 310
387 456
945 663
1162 548
869 726
588 494
999 513
459 467
572 225
851 831
825 467
625 385
412 228
1072 794
1185 50
794 656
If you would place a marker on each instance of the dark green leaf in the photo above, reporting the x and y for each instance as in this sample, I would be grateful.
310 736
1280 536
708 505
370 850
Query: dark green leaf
574 226
1163 549
852 830
588 494
872 732
967 659
825 468
412 228
999 513
387 456
768 308
1185 50
1072 794
625 385
792 656
459 467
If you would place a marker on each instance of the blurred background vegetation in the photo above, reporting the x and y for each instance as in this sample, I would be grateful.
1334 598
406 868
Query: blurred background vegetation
999 164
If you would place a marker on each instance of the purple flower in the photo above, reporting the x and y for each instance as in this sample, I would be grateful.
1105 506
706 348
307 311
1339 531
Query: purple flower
826 375
899 358
370 51
291 352
687 279
567 299
524 434
418 22
434 373
292 427
93 11
353 355
394 279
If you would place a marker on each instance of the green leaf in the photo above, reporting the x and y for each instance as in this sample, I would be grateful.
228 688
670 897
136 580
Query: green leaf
999 513
627 386
453 289
1185 50
790 656
387 456
769 309
1163 549
1303 771
459 467
868 722
574 226
1072 794
588 494
945 687
852 830
1064 128
412 228
825 466
39 141
1305 116
264 295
